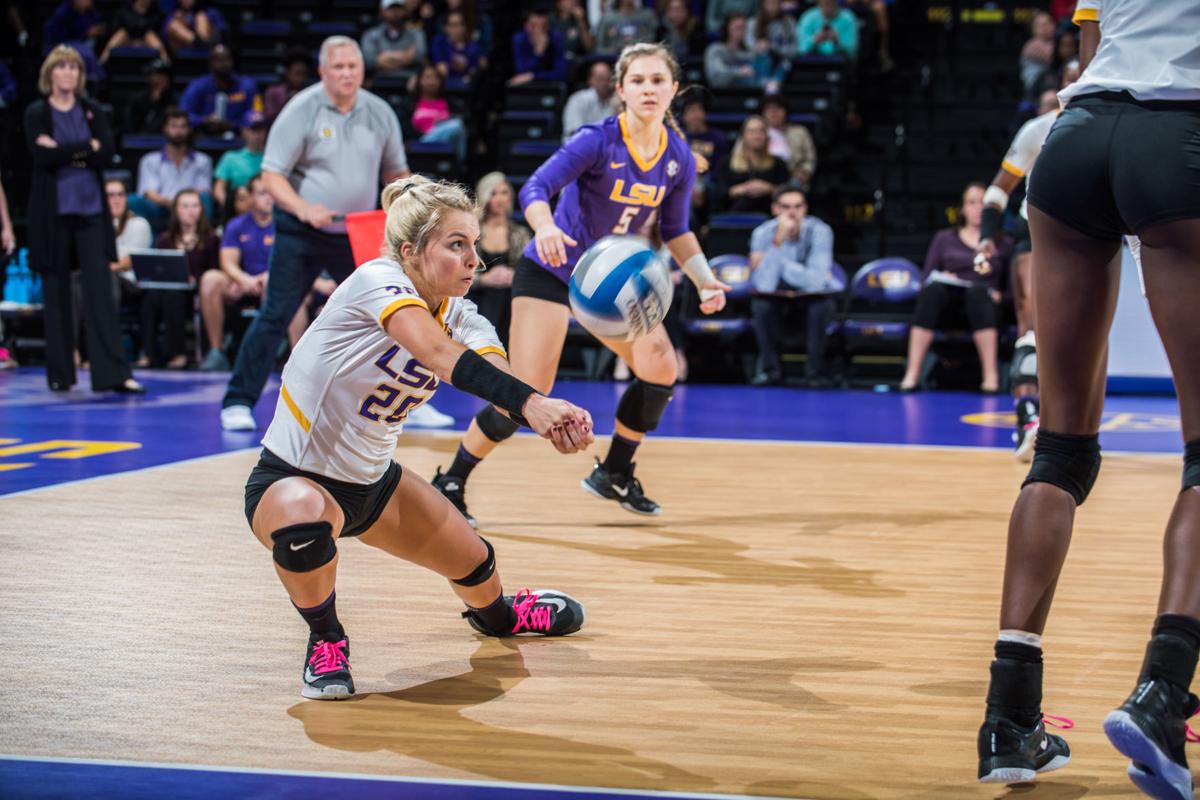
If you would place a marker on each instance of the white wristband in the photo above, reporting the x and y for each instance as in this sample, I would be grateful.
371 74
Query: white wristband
698 270
995 196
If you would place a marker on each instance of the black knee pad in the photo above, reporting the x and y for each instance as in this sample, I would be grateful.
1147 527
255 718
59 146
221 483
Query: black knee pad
484 570
495 425
304 547
642 405
1024 367
1191 464
1069 462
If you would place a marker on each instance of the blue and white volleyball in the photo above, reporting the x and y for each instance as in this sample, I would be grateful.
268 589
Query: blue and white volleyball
620 289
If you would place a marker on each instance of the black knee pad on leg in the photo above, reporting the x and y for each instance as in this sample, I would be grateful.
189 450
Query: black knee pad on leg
1069 462
495 425
1191 464
642 405
484 570
304 547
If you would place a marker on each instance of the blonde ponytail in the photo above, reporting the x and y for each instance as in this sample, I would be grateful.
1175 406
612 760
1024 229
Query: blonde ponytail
415 206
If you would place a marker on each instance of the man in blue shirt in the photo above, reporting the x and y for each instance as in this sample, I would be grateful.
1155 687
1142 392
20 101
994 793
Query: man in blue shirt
791 262
217 102
539 54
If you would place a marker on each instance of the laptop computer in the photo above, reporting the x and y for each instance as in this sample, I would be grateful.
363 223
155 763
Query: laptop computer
160 269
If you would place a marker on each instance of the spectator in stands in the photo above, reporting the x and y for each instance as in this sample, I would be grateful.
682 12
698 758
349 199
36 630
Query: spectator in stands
306 170
501 241
789 254
164 173
792 143
75 22
772 30
239 203
751 174
708 143
296 76
147 111
393 46
190 231
954 282
217 102
136 25
729 64
720 10
1038 52
571 22
454 53
237 167
875 14
70 141
827 30
626 22
479 25
431 118
132 233
191 25
539 53
681 31
245 255
592 104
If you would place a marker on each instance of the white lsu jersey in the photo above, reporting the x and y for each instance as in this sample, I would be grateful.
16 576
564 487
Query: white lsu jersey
1149 48
1025 147
348 385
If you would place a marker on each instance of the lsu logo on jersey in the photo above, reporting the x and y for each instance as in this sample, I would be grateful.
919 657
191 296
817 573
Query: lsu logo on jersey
640 194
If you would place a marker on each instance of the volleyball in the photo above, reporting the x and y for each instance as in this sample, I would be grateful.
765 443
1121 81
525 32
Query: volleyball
620 289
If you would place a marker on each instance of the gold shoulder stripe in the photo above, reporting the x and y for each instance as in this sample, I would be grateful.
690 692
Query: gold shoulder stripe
396 305
1086 15
483 351
1012 168
295 409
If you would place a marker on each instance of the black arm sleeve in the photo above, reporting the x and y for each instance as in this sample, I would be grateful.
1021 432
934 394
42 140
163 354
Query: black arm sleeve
472 373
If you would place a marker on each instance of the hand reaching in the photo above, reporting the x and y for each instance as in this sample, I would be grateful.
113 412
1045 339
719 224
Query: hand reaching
566 425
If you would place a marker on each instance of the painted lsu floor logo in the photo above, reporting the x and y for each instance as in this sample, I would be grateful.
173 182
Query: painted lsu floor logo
1110 421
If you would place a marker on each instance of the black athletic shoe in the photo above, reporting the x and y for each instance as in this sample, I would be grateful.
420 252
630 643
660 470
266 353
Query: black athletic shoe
327 668
454 490
1150 728
1009 753
542 611
625 489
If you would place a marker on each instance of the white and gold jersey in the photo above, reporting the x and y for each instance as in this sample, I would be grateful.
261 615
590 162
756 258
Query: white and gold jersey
1025 147
1150 49
348 385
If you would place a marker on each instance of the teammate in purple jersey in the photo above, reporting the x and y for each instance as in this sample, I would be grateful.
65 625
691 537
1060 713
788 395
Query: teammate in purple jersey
611 178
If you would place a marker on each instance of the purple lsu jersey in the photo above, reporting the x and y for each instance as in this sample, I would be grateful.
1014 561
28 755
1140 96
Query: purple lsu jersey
607 188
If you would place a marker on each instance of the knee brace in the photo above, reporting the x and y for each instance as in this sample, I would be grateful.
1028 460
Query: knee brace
642 405
495 425
484 570
1191 464
1069 462
1024 362
304 547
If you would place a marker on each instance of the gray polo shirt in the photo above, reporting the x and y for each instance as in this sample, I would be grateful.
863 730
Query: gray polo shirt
332 158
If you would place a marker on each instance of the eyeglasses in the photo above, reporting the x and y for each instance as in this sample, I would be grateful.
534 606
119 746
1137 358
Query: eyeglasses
115 194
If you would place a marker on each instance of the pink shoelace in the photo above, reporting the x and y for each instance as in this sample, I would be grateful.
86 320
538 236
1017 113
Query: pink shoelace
1062 723
529 617
1190 735
328 657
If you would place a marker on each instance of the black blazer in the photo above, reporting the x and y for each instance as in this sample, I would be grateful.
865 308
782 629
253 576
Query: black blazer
44 242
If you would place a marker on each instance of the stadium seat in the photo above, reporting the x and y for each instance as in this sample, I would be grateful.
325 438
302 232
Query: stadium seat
730 325
874 328
434 159
536 96
730 233
528 125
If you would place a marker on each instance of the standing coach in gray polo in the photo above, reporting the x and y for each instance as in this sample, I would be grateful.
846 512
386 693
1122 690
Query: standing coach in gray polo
326 154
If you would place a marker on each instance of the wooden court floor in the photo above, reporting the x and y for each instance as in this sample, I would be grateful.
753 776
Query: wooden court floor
804 621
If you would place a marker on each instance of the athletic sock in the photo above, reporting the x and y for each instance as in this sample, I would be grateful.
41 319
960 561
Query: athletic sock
498 615
1027 409
463 463
1015 692
323 618
620 455
1172 652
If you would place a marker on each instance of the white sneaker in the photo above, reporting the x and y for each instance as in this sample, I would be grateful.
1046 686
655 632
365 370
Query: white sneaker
427 416
237 418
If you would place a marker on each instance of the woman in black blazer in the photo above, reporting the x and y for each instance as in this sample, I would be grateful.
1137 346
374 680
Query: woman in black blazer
70 228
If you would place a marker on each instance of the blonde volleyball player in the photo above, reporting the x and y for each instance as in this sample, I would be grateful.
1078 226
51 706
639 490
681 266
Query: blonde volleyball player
612 177
1123 157
390 333
1017 166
